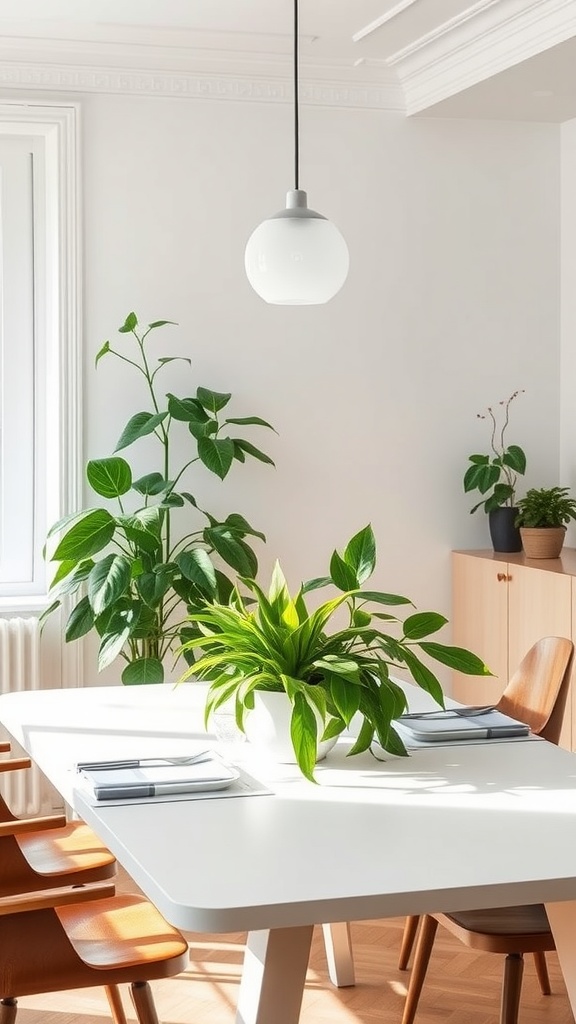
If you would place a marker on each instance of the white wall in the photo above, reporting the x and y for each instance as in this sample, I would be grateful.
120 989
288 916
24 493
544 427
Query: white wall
451 304
568 312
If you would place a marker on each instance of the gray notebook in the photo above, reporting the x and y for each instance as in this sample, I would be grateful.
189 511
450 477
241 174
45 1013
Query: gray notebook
450 725
154 778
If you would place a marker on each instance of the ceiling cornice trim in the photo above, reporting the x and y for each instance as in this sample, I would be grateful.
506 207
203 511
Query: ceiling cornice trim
69 78
373 26
488 38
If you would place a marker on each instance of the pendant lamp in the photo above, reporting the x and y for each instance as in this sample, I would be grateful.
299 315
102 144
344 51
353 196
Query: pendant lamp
296 257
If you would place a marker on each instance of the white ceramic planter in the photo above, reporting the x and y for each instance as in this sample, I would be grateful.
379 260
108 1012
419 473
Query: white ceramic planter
268 727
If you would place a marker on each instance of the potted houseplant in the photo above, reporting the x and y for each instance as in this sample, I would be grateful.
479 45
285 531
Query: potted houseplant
494 475
542 515
272 644
131 569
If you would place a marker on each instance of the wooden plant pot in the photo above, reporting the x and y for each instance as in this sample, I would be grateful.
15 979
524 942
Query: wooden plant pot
544 542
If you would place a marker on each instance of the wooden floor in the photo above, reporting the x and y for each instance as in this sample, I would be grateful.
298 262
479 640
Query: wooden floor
462 987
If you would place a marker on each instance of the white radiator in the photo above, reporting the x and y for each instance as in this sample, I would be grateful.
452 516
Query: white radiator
26 792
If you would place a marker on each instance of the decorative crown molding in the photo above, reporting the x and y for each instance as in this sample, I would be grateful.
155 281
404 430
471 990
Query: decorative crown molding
487 38
372 88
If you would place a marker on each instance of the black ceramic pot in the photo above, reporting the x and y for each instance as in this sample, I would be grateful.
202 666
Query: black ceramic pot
504 535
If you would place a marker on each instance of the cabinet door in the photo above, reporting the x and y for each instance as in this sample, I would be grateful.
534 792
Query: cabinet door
539 604
480 623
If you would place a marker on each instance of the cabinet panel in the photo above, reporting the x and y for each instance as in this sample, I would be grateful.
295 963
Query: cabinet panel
539 604
480 623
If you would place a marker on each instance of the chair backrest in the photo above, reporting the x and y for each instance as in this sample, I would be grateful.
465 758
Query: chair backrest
10 765
537 692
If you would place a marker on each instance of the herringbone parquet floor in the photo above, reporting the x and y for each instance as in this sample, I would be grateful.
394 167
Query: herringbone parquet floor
462 987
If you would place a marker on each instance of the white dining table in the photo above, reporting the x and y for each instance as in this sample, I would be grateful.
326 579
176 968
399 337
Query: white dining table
451 827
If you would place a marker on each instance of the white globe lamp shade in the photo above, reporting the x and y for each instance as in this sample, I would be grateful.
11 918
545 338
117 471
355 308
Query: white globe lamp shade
296 257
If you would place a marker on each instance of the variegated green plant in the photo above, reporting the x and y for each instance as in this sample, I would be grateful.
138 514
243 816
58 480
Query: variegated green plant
132 570
274 642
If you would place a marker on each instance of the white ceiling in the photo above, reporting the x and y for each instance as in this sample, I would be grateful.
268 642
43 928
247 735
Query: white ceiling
444 57
258 26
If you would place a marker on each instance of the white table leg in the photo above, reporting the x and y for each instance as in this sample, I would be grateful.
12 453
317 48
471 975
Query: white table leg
338 943
562 918
273 976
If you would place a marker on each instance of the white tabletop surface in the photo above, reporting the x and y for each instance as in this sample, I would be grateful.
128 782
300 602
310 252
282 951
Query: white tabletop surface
485 824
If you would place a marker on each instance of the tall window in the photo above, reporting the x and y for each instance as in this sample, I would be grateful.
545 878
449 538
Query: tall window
39 319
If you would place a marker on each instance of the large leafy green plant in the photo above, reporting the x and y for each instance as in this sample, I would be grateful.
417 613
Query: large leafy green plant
274 642
139 572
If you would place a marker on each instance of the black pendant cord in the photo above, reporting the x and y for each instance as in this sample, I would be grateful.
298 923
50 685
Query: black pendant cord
296 115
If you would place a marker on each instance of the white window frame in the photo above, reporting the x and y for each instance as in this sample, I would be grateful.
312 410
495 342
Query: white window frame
20 167
57 322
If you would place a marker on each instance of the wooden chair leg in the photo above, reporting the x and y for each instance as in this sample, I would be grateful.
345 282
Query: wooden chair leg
8 1011
408 937
512 984
116 1006
542 972
143 1002
423 950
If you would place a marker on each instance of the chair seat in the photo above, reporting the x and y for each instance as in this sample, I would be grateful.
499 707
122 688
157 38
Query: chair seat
504 921
90 942
76 937
64 851
45 856
505 930
122 931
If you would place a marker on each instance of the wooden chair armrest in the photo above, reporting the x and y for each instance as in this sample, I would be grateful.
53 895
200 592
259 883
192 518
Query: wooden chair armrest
12 764
20 826
4 747
61 897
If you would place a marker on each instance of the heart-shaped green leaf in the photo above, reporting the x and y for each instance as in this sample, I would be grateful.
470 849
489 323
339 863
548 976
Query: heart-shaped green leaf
109 477
140 425
109 578
88 536
142 671
196 565
217 455
213 400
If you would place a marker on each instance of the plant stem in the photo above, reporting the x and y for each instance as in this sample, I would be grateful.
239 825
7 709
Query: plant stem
165 442
126 360
196 459
188 536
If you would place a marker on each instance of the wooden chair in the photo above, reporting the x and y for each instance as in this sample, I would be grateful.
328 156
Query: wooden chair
536 695
512 931
62 939
43 852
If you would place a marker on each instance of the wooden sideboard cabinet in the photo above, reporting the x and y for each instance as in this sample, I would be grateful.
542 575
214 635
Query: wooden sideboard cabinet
502 604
